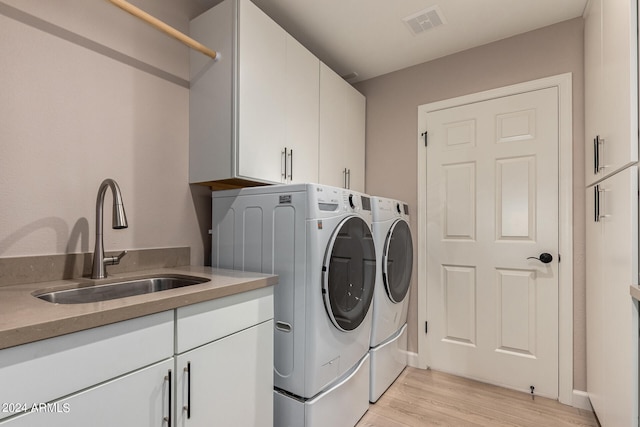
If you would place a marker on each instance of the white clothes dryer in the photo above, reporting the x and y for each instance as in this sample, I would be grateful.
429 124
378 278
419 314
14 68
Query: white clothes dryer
394 258
318 240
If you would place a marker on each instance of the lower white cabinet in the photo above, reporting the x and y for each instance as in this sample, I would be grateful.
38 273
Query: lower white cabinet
224 361
45 371
140 398
612 317
228 381
205 364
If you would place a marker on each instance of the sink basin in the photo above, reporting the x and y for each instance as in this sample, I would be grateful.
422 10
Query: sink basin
117 290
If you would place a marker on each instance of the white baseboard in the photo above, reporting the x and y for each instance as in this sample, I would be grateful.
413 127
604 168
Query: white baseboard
412 359
581 400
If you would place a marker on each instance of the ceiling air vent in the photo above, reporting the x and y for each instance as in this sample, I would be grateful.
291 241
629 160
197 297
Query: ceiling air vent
425 20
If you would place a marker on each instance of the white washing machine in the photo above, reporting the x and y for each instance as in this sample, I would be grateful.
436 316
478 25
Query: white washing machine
318 240
394 250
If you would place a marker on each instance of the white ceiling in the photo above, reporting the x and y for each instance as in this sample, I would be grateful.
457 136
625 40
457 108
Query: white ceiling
369 37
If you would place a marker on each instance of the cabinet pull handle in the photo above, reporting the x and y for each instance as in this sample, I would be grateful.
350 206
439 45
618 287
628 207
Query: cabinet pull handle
598 213
168 378
291 165
596 203
187 407
284 175
344 178
595 156
602 199
349 181
597 143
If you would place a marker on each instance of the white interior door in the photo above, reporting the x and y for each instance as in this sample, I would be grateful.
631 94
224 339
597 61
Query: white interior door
492 203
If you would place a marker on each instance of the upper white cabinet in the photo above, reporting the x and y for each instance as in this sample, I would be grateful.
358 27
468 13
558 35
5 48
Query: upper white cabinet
303 104
254 111
342 132
611 81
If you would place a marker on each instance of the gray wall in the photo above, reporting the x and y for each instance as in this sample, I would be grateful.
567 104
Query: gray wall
90 92
391 134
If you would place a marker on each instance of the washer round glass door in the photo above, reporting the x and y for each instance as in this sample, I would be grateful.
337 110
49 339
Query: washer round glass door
397 261
349 272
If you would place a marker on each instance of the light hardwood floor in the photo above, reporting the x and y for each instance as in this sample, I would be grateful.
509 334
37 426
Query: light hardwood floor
430 398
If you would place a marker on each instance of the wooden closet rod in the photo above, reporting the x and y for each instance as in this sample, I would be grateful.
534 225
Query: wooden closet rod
155 22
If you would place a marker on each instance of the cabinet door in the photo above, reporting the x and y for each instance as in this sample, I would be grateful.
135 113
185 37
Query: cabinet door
228 382
612 323
332 163
303 98
611 82
619 260
140 398
261 103
595 303
342 132
620 85
354 131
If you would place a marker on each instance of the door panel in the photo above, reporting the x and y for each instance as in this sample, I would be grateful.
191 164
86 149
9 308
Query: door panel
459 284
515 198
516 312
492 209
460 201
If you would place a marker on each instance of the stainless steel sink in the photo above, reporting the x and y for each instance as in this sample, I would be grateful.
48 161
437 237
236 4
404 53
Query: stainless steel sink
117 290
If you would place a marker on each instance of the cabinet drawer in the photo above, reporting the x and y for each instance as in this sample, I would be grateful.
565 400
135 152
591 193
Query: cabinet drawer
42 371
208 321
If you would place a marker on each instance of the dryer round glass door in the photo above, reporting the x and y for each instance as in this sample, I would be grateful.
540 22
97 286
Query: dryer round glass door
397 261
349 272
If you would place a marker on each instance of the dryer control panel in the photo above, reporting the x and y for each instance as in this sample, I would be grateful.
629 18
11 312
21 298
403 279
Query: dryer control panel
356 202
385 209
328 199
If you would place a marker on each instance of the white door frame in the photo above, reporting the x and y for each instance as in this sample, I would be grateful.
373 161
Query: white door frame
565 204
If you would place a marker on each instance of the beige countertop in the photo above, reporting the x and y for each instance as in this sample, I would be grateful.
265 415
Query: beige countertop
25 318
635 292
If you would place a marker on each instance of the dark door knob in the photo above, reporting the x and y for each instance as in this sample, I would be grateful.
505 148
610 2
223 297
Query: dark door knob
544 258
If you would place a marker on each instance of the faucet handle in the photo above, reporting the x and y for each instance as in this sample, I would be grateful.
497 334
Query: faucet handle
114 260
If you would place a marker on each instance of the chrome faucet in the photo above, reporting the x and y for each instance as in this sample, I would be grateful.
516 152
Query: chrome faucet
119 221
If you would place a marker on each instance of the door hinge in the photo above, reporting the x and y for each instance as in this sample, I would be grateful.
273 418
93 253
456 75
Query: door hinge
424 135
426 327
